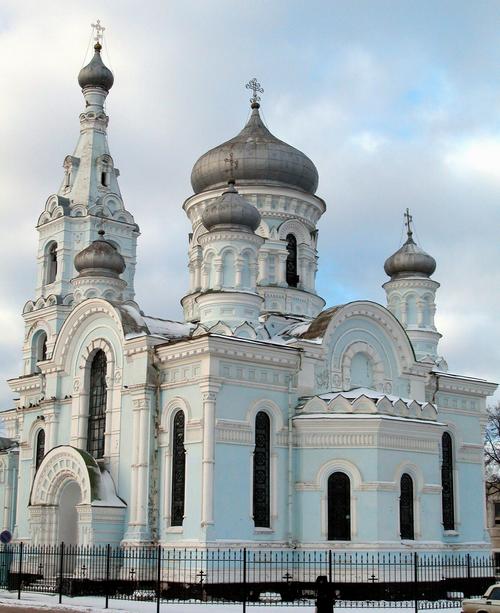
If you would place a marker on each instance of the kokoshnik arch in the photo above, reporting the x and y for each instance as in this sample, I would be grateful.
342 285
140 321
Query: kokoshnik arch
262 418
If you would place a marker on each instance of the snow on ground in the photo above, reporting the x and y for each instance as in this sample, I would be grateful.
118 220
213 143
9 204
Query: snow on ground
94 604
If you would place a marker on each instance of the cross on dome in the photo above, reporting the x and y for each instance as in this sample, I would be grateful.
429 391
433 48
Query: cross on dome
408 222
255 86
233 164
98 30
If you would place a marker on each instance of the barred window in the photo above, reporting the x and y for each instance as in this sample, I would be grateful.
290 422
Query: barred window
292 277
447 482
97 405
261 471
339 507
178 470
406 519
40 448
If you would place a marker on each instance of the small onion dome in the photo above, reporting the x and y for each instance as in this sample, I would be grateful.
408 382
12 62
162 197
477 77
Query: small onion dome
253 157
95 73
231 209
99 259
410 260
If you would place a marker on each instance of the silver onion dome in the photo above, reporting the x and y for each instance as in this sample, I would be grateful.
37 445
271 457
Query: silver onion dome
410 260
95 73
231 209
254 156
99 259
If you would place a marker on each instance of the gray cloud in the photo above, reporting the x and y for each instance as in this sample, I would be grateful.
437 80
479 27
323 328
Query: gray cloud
393 100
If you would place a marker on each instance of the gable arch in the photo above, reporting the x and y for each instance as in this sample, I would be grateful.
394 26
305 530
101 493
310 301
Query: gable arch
292 226
86 312
370 323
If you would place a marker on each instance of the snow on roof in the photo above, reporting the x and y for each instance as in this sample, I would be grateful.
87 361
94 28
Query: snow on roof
136 324
365 391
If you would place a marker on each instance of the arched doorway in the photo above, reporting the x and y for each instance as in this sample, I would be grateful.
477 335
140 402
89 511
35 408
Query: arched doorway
339 507
68 515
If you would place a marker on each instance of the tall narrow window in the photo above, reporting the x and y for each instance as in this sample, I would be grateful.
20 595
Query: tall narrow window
97 405
339 507
40 448
447 482
406 519
291 261
178 470
51 263
261 471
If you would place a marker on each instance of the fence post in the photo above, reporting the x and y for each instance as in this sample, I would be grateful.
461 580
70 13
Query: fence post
61 570
468 566
20 570
415 579
158 580
244 579
108 555
329 566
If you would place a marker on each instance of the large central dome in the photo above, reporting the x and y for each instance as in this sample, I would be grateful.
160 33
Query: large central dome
252 157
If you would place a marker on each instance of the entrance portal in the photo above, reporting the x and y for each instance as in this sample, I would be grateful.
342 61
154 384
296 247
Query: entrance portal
68 514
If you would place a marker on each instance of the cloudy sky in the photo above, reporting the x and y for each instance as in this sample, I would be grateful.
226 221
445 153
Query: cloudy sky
396 101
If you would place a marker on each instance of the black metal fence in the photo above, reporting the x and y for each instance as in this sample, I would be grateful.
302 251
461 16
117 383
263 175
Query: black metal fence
248 576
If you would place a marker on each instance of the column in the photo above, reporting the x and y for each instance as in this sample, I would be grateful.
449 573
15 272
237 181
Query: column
209 396
218 273
238 267
281 276
138 527
262 278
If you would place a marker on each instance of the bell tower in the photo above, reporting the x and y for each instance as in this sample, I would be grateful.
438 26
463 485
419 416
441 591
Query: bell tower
87 201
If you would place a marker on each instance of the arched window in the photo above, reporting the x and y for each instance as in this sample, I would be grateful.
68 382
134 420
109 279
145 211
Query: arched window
406 519
178 470
38 349
246 280
228 269
97 405
339 507
291 261
447 482
40 448
262 471
411 310
51 263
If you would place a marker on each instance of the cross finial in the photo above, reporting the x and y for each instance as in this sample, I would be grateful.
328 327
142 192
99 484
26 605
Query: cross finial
98 31
233 165
408 222
254 85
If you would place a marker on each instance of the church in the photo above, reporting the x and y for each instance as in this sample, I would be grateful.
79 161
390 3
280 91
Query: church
264 418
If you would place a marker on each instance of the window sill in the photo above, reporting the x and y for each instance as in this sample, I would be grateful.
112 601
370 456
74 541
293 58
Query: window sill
450 533
263 530
175 529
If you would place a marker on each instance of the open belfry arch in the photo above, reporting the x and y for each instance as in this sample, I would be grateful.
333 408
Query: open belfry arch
264 417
